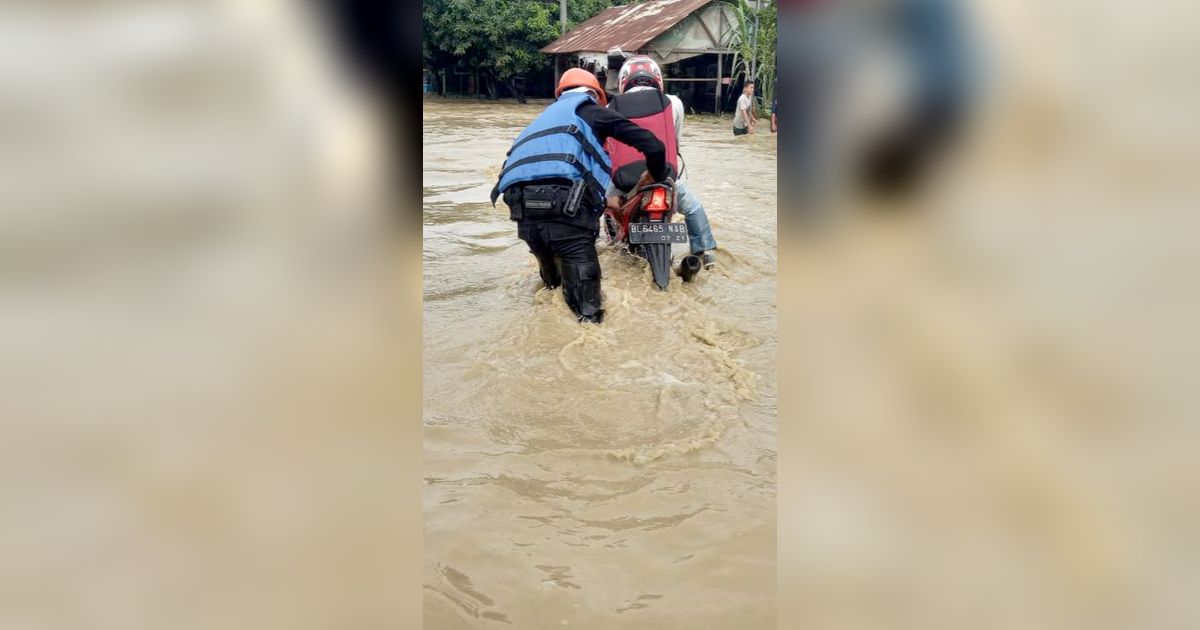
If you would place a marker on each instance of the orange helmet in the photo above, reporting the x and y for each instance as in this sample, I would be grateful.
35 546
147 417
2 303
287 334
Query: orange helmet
578 77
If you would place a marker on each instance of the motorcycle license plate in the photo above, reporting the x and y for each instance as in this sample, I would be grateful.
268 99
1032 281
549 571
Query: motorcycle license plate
658 233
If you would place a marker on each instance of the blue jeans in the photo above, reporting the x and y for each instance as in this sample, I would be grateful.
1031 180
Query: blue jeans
699 231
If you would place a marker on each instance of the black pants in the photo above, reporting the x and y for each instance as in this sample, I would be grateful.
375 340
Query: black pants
566 256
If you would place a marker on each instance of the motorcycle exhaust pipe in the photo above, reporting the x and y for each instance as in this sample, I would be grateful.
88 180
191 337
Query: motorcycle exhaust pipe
689 267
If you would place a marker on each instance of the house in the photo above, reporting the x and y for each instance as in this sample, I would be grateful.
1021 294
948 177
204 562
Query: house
693 40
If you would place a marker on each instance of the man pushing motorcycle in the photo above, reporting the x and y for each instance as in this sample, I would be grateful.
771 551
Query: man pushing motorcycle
644 102
554 182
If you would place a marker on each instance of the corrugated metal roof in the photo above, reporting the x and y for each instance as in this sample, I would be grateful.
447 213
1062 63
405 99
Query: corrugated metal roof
628 27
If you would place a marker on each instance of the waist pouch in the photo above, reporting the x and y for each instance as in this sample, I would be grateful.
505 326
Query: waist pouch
550 202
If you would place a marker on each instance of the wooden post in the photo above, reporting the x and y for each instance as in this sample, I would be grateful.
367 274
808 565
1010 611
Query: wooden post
557 71
562 31
717 92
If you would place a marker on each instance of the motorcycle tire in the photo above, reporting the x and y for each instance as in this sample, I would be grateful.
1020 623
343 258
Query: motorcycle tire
659 257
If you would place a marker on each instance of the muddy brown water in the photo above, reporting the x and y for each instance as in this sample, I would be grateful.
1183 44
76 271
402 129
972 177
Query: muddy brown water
613 476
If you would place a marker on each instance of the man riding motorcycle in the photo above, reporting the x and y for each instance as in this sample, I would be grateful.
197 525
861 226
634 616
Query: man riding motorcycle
554 183
643 101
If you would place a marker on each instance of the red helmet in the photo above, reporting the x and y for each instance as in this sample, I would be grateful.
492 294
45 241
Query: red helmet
640 70
578 77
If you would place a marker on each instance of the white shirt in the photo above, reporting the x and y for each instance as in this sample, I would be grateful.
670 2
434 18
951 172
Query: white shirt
743 111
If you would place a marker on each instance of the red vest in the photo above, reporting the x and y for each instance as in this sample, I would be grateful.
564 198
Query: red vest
650 110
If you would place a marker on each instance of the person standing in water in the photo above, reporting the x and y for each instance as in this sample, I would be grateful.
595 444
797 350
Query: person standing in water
554 181
744 118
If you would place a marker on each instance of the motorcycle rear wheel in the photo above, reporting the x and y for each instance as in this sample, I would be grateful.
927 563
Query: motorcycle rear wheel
659 257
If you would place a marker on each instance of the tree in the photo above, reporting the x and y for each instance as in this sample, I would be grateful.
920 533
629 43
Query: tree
500 39
582 10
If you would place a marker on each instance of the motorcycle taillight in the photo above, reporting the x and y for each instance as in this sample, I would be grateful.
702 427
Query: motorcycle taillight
658 200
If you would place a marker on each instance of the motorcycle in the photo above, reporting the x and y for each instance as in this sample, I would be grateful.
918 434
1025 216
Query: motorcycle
642 224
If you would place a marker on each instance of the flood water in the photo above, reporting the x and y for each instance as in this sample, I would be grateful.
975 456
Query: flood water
613 476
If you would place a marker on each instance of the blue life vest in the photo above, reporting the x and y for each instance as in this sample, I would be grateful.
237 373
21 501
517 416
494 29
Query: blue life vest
558 144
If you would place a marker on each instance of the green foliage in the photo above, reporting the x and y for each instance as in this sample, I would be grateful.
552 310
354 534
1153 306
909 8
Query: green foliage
501 36
756 61
582 10
497 36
